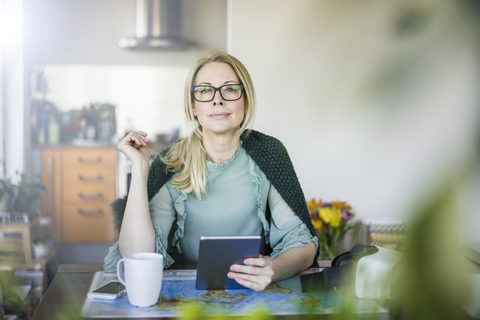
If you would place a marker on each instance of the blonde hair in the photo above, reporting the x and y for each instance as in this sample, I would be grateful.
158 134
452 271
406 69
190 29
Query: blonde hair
187 157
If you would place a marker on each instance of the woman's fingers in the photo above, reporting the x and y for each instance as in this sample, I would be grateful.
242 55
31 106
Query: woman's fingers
136 139
265 271
135 146
259 265
256 274
139 137
261 261
255 283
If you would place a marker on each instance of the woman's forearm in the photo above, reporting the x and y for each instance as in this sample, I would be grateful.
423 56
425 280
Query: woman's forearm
137 233
293 261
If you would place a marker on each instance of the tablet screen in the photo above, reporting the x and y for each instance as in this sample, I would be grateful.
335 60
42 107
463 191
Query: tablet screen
216 255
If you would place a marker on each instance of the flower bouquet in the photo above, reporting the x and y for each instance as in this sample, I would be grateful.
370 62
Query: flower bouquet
330 222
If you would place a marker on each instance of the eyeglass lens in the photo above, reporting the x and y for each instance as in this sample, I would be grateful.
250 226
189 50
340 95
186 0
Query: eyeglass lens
228 92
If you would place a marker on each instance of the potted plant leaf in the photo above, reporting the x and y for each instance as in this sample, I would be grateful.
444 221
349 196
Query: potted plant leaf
21 197
6 193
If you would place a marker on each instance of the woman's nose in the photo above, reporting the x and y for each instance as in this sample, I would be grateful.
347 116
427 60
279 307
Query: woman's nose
218 99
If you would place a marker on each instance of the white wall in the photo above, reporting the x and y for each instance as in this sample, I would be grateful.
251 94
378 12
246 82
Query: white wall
12 88
371 109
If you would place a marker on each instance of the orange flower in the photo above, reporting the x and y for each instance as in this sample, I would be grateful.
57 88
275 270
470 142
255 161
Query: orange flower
342 205
313 205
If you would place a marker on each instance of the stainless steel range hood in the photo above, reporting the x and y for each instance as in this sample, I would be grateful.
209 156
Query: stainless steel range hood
157 26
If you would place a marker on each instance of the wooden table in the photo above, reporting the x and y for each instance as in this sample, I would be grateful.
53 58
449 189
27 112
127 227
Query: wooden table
67 292
65 296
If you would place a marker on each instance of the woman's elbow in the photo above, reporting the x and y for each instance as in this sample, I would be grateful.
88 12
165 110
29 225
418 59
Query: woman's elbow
310 251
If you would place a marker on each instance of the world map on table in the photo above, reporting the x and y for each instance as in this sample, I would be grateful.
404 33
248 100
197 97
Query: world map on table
283 297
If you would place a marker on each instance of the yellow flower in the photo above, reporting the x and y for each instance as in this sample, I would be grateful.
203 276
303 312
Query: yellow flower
317 224
325 214
336 216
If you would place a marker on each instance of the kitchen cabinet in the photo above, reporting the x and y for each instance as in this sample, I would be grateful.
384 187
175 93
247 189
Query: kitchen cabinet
81 184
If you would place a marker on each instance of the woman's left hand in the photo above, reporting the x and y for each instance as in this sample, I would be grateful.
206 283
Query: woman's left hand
256 274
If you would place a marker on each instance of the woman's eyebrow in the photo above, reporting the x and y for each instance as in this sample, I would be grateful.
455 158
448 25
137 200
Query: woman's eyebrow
209 84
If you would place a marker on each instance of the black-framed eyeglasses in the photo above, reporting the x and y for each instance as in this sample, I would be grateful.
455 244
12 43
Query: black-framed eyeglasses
229 92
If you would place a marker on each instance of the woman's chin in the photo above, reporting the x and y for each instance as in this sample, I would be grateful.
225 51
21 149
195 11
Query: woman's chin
220 131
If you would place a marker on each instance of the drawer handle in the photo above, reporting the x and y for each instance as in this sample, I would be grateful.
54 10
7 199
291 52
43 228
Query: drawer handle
81 160
90 196
97 212
97 178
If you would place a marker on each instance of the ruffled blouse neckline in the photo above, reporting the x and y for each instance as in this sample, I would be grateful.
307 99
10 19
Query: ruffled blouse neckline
217 166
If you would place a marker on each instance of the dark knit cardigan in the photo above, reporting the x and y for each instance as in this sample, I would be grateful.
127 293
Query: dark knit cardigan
271 157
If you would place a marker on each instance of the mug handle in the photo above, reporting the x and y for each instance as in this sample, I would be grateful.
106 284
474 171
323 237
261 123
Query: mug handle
120 275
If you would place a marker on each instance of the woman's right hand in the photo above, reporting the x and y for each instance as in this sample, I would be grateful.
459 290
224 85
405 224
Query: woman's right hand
134 147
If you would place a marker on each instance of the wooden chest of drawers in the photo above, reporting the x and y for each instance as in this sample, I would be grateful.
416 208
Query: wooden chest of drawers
81 184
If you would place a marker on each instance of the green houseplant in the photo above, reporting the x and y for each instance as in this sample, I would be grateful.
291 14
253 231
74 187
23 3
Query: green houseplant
6 193
21 197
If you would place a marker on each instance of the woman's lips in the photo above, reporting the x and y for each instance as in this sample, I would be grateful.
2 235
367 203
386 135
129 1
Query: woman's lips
219 115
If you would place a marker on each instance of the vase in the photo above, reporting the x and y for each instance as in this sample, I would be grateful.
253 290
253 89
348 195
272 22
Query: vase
329 247
327 252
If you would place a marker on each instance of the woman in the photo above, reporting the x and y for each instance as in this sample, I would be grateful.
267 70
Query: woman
222 179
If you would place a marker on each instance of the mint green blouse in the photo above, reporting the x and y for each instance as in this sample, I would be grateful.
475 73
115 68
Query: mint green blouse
234 203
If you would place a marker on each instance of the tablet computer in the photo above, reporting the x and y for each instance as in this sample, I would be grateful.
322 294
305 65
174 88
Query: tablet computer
215 256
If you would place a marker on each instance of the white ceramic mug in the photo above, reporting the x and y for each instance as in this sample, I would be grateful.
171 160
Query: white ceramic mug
142 275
